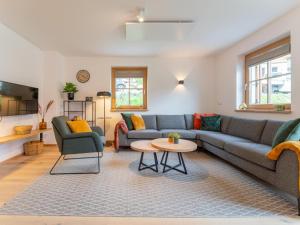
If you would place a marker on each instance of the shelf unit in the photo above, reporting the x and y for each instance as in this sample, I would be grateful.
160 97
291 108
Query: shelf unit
81 110
15 137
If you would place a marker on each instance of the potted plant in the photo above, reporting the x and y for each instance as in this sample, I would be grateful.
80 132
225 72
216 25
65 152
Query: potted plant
280 107
173 138
43 124
71 89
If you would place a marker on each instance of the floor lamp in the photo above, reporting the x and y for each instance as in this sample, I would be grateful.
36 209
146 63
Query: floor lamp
104 94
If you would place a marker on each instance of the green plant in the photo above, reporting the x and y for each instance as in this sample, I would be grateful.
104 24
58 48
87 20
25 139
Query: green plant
70 88
176 136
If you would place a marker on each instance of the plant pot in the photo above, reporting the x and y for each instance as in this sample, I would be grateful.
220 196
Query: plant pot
171 140
70 96
176 141
43 125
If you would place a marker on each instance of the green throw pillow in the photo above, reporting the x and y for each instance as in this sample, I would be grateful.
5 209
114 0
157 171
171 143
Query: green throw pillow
284 131
294 134
128 121
211 123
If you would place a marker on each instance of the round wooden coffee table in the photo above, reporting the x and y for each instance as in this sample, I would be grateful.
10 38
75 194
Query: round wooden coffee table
144 147
183 146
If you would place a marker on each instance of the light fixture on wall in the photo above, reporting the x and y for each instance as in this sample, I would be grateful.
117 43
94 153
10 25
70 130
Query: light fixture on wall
141 15
181 82
104 94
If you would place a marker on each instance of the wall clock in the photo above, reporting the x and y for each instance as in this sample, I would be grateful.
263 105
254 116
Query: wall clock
83 76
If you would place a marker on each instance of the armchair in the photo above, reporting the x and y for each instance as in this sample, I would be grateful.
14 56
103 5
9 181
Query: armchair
76 143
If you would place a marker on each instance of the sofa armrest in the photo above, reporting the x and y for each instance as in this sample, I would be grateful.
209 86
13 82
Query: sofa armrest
98 130
123 138
287 172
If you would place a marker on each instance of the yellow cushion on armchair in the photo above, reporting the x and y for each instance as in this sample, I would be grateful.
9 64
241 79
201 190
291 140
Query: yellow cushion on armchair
138 122
79 126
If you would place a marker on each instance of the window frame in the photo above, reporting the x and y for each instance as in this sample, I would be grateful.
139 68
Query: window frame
261 107
144 107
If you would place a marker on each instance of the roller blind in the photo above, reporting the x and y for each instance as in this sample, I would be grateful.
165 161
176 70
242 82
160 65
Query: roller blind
275 50
129 73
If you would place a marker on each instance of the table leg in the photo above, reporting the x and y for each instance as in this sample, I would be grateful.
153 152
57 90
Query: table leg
143 166
162 158
168 167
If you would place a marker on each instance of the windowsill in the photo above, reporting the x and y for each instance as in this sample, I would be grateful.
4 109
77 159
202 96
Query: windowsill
129 110
263 111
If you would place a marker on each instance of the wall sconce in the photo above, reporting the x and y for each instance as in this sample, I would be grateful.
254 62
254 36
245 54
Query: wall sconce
181 82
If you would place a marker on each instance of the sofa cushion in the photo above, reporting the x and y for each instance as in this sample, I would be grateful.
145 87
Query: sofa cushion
252 152
225 121
270 131
189 121
144 134
211 123
150 121
79 126
170 122
284 131
294 134
217 139
185 134
127 118
138 122
246 128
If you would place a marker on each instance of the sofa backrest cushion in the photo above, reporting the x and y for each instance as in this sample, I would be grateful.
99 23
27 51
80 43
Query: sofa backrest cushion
270 131
189 121
60 124
170 122
150 121
225 121
246 128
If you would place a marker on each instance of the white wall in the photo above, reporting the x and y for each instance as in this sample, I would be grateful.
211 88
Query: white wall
22 63
164 95
229 66
53 82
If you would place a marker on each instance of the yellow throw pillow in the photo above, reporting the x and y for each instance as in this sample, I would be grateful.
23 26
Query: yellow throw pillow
138 122
79 126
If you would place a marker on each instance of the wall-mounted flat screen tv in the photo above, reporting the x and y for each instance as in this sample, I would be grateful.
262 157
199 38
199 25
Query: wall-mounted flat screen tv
16 99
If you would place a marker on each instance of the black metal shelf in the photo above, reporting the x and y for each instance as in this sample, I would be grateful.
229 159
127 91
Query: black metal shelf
83 112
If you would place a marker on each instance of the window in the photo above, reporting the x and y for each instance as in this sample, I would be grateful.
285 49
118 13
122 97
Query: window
129 88
268 76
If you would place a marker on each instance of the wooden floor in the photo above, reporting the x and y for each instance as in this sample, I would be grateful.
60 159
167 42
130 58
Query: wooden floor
18 173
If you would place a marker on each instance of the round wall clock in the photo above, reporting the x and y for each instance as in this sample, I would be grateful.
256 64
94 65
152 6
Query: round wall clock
83 76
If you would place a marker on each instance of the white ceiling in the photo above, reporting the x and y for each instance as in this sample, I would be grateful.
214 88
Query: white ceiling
97 27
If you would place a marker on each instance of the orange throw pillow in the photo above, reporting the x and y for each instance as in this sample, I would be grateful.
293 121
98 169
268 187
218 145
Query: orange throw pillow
197 119
138 122
79 126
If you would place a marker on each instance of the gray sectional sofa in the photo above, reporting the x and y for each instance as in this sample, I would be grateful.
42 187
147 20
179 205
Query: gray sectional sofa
242 142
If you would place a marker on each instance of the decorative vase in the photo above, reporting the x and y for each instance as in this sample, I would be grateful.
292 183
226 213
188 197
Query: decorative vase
176 141
171 140
70 96
43 125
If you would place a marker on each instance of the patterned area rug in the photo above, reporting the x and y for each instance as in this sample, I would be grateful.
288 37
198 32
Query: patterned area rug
212 188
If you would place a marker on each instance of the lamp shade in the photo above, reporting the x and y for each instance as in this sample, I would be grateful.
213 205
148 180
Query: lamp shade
103 93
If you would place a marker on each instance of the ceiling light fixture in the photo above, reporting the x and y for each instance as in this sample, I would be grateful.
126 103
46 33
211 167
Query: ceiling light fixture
141 15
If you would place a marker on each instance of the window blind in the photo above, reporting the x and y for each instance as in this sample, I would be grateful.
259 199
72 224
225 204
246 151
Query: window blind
280 48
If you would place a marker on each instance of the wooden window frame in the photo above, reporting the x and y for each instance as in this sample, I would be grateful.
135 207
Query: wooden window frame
144 107
262 107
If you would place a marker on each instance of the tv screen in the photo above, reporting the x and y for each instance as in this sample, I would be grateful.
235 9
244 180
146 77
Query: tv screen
16 99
